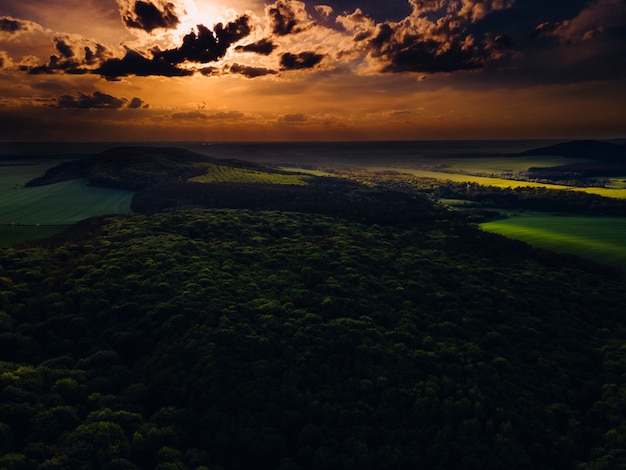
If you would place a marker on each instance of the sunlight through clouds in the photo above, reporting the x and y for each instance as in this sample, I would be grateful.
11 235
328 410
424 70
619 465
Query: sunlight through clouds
291 57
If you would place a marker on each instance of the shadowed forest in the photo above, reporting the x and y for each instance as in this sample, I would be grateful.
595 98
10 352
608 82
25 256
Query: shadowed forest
246 316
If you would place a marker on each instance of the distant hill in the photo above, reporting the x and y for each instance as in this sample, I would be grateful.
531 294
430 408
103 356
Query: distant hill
591 149
173 178
603 160
139 167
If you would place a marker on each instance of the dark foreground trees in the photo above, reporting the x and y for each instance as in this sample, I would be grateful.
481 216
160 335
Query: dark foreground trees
236 339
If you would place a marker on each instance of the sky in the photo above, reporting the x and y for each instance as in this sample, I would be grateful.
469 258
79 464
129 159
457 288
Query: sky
287 70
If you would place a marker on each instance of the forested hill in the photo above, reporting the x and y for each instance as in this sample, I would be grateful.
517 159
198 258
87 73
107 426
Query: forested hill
138 167
172 178
590 149
229 339
343 326
601 160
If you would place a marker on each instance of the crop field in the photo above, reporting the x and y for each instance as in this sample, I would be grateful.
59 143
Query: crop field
14 174
619 193
307 171
224 174
27 213
61 203
601 239
461 177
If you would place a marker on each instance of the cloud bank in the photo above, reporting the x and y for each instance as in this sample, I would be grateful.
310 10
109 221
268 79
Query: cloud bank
435 37
97 100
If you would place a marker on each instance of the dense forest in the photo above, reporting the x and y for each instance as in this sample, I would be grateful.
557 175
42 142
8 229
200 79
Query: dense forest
331 325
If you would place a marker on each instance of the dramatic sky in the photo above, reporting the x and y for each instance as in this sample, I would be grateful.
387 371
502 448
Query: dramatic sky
218 70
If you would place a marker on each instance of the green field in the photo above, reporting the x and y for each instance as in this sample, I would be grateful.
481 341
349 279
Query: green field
29 213
601 239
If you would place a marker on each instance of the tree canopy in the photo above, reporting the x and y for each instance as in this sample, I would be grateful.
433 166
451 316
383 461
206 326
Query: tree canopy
222 338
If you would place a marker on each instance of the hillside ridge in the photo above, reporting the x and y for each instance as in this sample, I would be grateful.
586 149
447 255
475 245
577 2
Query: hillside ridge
138 167
591 149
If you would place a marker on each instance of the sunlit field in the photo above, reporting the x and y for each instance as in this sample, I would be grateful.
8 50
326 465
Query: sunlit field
36 212
619 193
601 239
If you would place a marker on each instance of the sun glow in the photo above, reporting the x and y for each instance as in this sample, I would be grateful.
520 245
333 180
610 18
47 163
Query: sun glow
205 13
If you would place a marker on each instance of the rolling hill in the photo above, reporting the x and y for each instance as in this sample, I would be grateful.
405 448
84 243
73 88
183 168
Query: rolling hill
139 167
233 322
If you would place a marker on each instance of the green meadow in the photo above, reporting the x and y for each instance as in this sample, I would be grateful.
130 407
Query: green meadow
601 239
36 212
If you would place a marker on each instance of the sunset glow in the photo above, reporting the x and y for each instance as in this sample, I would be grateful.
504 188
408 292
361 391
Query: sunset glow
249 70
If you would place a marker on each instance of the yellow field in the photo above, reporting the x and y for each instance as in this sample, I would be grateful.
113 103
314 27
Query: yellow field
501 182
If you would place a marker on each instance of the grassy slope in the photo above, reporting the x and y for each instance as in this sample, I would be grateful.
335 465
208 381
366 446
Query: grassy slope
229 174
59 194
602 239
139 167
35 212
62 203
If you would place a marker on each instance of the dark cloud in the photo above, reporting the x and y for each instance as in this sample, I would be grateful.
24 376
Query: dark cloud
303 60
208 71
227 115
545 29
98 100
295 117
221 115
424 57
263 47
190 115
148 16
503 42
251 72
59 64
76 56
64 48
437 37
206 45
133 63
383 36
136 103
89 55
414 53
92 57
283 18
11 25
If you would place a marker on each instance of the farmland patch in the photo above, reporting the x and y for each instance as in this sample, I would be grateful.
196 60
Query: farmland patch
601 239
